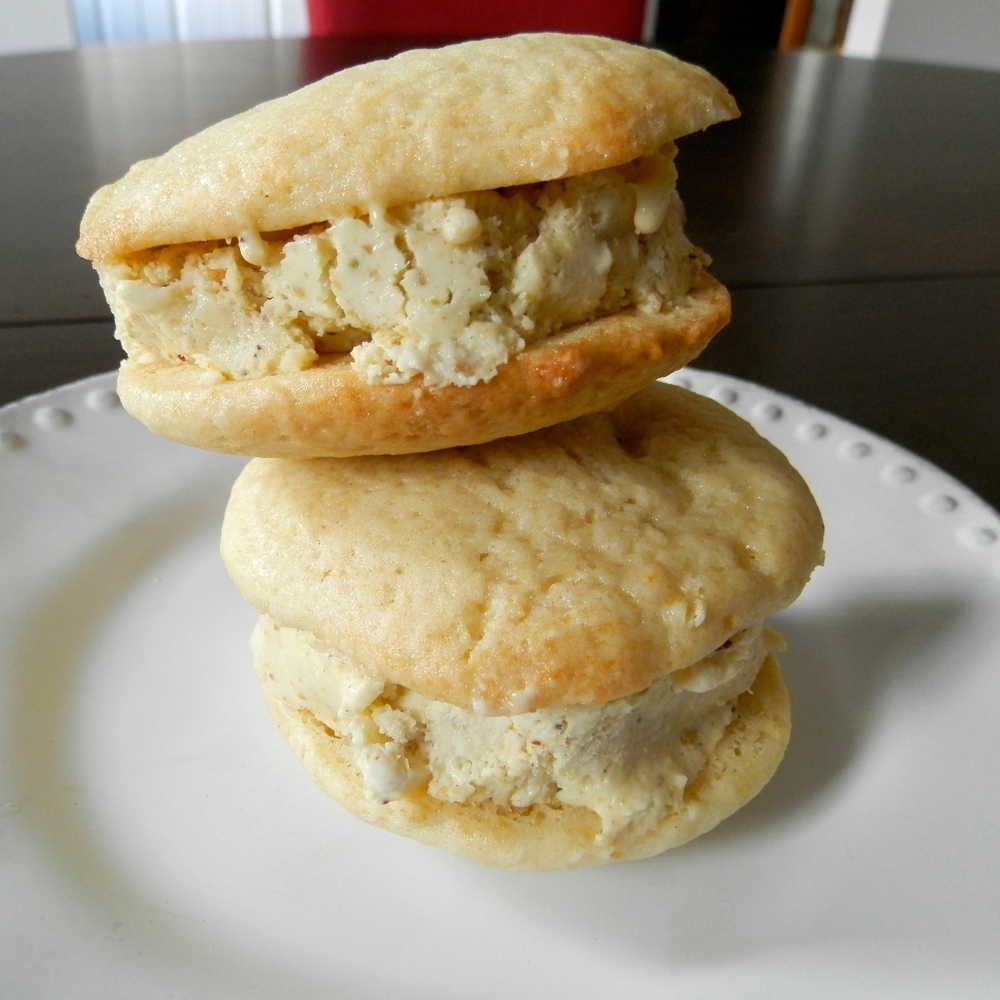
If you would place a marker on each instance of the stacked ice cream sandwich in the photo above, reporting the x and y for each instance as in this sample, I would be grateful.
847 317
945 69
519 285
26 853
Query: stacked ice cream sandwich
512 590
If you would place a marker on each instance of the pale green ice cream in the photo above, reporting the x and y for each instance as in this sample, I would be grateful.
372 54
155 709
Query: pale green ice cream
447 289
629 760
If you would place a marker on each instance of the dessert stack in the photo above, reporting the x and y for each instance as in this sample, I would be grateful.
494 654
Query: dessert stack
513 590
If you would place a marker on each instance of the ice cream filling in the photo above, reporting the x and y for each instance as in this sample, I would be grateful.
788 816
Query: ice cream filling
446 289
629 760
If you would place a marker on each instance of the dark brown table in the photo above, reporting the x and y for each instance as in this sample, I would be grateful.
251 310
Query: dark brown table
853 211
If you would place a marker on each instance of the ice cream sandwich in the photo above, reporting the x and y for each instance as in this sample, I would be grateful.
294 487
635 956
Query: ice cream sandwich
434 250
545 651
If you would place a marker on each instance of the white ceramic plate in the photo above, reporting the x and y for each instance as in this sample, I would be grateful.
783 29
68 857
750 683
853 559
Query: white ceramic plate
158 840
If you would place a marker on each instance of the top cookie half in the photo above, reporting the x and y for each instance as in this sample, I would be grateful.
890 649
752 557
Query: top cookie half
412 226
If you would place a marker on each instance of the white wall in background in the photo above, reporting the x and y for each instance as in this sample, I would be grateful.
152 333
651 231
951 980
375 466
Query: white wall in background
34 26
952 32
866 27
187 20
197 19
289 18
958 32
37 25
